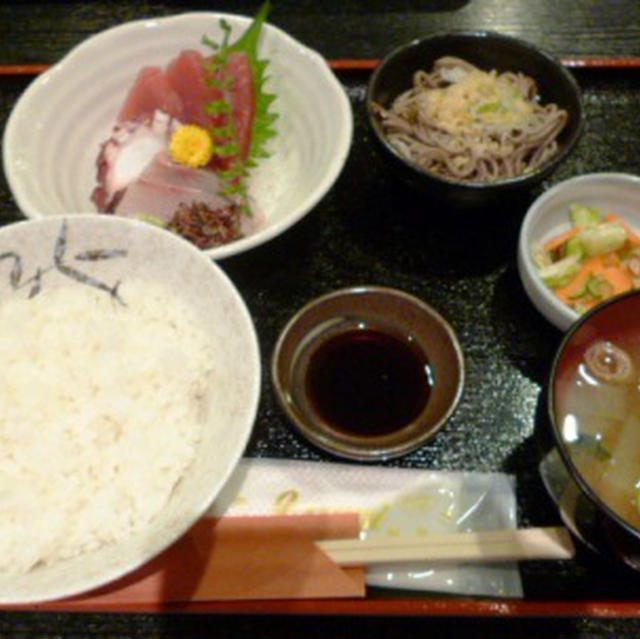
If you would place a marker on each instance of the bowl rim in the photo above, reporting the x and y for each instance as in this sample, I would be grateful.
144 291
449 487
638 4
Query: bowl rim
354 451
87 584
534 285
565 455
507 183
343 114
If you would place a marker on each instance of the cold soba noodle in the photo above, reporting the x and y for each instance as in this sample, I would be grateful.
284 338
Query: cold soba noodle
598 412
463 123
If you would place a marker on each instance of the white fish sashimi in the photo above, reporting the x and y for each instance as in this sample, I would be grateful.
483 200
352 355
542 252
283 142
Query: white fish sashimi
137 178
164 186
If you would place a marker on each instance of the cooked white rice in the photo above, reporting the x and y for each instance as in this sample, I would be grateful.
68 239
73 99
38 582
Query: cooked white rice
101 408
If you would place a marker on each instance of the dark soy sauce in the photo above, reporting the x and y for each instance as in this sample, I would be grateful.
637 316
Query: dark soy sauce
366 382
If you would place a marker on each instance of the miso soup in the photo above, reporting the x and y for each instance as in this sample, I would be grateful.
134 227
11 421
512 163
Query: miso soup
597 411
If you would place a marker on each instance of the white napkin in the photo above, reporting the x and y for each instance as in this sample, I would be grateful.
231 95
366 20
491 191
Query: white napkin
390 501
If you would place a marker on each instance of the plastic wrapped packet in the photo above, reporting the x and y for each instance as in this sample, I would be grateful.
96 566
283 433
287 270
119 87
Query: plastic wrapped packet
390 501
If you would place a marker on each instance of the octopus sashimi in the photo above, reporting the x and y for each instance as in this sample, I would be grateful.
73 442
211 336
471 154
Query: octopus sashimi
126 154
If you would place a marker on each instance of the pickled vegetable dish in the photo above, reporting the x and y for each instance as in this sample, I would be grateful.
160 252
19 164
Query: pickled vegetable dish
597 258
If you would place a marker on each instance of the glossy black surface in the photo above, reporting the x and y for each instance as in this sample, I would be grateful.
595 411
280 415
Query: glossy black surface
42 31
371 229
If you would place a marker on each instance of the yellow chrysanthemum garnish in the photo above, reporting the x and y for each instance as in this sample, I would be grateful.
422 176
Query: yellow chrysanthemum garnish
191 145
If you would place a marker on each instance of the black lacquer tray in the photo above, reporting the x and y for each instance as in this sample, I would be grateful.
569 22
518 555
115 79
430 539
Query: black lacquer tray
370 229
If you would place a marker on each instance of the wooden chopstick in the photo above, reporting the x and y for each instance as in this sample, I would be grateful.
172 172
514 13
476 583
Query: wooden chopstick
489 545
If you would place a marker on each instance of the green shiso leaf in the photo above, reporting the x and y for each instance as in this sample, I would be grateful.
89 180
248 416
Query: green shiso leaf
215 107
262 130
248 41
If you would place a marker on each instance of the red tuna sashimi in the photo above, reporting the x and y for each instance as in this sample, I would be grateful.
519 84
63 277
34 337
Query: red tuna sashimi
188 76
151 91
243 100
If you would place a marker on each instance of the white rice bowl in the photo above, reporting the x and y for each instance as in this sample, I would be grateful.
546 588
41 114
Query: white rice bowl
141 258
54 132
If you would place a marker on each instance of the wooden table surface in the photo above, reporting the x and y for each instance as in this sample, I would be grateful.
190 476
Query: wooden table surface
368 228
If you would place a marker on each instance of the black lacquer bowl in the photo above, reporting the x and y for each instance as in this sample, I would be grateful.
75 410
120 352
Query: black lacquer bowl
593 439
486 50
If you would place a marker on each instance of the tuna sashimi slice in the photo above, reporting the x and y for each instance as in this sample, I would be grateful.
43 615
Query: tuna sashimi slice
151 92
183 91
243 99
163 186
188 75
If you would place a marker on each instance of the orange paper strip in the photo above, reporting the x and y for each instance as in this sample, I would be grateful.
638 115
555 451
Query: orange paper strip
368 64
236 558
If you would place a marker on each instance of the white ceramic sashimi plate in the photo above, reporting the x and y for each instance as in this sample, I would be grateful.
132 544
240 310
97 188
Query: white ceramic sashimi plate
55 130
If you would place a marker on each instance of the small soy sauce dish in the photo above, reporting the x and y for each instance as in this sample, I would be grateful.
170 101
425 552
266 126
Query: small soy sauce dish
368 373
